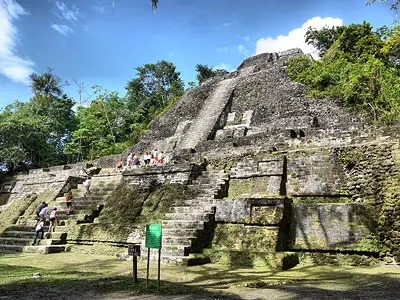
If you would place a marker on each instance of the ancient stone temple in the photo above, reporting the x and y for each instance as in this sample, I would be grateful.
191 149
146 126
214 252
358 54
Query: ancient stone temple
256 173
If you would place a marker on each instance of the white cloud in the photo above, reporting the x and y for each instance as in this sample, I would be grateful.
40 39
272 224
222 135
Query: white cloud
223 66
62 28
295 38
70 15
11 65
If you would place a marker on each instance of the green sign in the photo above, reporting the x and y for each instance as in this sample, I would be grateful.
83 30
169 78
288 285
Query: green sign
153 236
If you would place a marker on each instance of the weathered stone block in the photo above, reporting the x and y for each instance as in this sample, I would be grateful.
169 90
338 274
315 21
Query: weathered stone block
242 237
269 261
331 226
256 187
260 238
249 211
266 215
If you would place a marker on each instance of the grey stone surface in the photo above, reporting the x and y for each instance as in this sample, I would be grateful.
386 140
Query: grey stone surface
331 226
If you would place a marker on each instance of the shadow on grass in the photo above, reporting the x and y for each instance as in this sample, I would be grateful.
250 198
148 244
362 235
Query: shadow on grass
72 284
109 279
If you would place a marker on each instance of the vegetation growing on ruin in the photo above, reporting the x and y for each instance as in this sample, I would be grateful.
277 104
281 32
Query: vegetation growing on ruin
16 209
358 65
129 204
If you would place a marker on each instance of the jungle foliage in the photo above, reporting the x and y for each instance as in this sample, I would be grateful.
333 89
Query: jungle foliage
358 65
51 128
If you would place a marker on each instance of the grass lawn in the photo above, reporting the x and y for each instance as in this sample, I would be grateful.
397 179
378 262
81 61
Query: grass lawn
78 276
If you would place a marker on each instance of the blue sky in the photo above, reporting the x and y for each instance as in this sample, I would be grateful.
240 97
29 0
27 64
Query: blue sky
103 41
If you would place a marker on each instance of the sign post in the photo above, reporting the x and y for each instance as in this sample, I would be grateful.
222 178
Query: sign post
134 250
153 240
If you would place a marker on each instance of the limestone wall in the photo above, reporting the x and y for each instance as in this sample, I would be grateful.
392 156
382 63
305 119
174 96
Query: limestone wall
330 226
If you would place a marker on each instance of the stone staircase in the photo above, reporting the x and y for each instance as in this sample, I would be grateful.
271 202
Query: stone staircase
19 237
204 124
188 226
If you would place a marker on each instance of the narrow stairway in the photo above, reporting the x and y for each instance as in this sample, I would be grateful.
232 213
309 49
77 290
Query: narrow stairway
187 227
205 122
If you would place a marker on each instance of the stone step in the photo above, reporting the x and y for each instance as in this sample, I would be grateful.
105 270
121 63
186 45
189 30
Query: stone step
82 198
180 232
25 241
191 209
201 180
62 214
25 228
94 190
80 208
31 249
66 220
182 224
31 234
196 202
177 240
169 259
188 216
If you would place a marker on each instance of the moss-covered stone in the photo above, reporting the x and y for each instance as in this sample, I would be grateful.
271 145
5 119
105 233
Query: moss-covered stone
266 215
15 210
339 259
241 237
228 236
99 232
253 187
319 200
369 243
269 261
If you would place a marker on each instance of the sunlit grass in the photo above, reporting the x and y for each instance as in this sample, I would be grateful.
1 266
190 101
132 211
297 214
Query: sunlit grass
107 275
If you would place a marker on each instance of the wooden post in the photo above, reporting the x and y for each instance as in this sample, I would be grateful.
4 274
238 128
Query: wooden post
159 267
148 267
135 268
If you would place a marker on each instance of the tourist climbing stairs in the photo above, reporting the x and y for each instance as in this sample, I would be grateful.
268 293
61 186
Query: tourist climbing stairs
187 227
19 238
86 207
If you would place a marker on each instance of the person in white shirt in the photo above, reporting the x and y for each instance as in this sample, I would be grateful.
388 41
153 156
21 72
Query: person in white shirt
38 229
86 184
44 212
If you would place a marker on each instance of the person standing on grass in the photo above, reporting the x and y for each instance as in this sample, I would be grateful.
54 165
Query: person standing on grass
39 208
38 229
68 202
86 184
53 219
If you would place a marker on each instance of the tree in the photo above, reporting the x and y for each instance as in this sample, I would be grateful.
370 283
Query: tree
357 68
356 40
204 72
33 134
103 127
155 88
322 39
47 83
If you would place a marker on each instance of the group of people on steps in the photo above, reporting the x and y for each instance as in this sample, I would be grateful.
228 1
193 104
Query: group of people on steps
42 212
150 158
